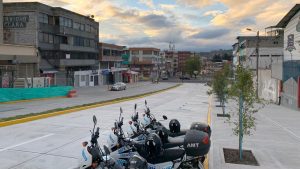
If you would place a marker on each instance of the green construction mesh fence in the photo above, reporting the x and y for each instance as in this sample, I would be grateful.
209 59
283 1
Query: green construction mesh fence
14 94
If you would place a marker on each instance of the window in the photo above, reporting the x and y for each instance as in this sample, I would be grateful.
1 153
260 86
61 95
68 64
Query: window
147 52
264 55
135 52
78 26
43 18
88 28
65 22
92 78
276 55
46 38
82 78
78 41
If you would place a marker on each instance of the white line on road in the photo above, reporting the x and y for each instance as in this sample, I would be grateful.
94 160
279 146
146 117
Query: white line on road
26 142
279 125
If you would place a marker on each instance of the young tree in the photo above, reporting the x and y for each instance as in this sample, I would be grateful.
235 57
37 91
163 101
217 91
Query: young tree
191 65
243 91
220 85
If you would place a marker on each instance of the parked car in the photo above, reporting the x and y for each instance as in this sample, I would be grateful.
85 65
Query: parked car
184 77
118 86
164 78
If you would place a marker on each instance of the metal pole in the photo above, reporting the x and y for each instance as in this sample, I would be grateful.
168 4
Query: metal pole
241 126
257 62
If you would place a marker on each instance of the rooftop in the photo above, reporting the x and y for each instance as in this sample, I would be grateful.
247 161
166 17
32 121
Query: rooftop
286 19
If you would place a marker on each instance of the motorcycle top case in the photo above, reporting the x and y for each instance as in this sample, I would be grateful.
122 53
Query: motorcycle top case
201 127
196 143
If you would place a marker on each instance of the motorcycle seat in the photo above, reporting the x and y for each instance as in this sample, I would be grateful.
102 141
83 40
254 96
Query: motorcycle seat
173 142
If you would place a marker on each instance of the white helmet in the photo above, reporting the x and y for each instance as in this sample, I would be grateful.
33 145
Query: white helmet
85 159
131 130
112 140
145 121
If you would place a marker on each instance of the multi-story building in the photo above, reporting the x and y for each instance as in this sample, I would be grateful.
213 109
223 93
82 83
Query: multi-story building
290 68
270 51
146 61
16 61
171 62
66 41
110 56
183 56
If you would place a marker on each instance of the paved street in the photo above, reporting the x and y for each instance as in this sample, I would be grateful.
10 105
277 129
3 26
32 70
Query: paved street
275 143
56 142
85 95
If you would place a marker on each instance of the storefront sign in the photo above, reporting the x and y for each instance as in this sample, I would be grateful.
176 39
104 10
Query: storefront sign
15 21
290 43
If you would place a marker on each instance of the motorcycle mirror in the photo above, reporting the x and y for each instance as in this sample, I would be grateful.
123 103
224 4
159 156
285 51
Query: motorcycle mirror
146 102
95 120
116 126
165 117
135 107
121 110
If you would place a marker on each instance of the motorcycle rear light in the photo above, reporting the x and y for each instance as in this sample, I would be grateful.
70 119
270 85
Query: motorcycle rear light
205 140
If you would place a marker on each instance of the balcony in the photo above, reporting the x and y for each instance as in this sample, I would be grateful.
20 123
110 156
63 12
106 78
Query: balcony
111 59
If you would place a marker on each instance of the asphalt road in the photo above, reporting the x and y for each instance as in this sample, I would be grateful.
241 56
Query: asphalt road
55 143
85 95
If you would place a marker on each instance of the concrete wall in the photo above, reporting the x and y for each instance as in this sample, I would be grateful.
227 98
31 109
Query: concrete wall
267 56
1 21
21 36
268 87
290 92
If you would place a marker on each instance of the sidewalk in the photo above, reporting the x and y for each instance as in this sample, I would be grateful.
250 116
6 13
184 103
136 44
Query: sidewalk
275 143
85 95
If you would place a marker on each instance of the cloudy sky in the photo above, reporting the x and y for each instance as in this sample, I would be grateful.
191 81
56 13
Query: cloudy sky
197 25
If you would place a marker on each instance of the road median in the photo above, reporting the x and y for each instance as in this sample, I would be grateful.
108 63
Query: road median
60 111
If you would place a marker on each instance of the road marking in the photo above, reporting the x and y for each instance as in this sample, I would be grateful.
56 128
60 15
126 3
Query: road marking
206 162
26 142
282 127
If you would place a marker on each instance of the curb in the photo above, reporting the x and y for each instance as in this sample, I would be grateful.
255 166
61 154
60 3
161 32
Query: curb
75 109
31 100
206 162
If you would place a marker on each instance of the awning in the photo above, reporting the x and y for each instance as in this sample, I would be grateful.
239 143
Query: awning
48 71
133 72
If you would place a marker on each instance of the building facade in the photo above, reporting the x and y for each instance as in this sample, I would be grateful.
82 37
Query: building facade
110 57
146 61
290 72
270 56
16 61
183 56
66 41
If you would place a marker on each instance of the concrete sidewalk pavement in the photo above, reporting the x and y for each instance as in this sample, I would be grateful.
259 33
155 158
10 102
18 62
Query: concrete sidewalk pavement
275 143
86 95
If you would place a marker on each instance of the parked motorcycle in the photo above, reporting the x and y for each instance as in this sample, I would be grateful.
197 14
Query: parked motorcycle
92 156
123 149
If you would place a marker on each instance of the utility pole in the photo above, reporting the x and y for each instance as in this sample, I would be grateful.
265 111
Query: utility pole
257 61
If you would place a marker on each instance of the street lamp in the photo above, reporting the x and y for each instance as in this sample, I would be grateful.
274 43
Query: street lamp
257 56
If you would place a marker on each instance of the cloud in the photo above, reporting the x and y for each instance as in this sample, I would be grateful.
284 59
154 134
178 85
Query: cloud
212 13
148 3
211 33
196 3
156 21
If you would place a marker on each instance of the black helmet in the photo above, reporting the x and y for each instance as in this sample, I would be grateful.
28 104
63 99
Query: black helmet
153 145
137 162
162 133
174 126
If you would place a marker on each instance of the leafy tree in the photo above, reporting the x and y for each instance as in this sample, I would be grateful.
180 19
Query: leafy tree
220 85
217 58
191 65
228 57
243 92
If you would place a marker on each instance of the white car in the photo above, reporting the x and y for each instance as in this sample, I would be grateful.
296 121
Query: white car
118 86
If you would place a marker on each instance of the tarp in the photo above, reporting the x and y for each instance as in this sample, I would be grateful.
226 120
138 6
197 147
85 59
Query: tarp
14 94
